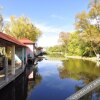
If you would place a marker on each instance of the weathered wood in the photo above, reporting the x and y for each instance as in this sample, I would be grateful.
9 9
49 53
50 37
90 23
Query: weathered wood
3 83
91 86
6 68
23 58
13 60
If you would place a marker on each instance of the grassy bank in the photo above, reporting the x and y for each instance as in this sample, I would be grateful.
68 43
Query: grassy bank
61 57
94 59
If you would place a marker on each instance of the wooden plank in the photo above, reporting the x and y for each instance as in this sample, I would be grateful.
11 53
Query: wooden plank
91 86
10 78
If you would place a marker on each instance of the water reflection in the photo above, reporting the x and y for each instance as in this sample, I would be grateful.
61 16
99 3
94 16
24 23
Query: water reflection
84 71
98 63
35 79
16 90
56 80
79 70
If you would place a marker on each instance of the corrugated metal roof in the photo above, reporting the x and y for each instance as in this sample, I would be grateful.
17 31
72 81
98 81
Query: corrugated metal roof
10 39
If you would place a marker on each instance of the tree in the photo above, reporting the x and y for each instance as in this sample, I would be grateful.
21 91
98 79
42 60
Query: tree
64 39
88 24
1 22
74 44
22 27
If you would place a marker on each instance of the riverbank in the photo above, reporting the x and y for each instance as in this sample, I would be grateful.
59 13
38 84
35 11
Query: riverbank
94 59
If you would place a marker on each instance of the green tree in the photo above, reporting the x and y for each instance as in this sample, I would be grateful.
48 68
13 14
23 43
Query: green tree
1 21
22 27
88 26
74 44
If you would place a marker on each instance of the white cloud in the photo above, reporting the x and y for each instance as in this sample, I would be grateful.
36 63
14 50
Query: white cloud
50 34
46 41
7 19
54 29
57 17
48 29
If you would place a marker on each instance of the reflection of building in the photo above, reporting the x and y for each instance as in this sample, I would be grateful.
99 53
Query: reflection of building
34 78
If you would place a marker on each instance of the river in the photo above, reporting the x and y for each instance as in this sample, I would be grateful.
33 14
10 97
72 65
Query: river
54 80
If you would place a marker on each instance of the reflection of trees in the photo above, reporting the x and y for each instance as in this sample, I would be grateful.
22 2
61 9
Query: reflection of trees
36 79
81 70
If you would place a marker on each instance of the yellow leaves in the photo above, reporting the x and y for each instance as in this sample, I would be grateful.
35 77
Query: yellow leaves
94 10
22 27
63 37
88 23
82 15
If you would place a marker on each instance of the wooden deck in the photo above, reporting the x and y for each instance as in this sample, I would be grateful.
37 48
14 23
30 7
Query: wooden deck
6 80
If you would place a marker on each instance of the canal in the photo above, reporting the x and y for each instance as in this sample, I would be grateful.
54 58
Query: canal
54 80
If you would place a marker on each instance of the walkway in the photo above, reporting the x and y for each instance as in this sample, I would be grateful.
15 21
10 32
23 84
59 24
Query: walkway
6 80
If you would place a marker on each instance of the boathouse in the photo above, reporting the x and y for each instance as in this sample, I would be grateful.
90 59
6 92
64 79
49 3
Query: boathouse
11 58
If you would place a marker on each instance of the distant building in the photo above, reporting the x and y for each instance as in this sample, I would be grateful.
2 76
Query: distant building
30 50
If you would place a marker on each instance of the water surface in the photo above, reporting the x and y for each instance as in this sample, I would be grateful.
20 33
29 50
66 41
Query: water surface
56 80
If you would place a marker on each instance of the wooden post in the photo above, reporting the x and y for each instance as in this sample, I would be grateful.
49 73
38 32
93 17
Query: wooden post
26 54
13 60
23 58
6 68
34 51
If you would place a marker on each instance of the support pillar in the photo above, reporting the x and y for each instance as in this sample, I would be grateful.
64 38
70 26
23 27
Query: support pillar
13 60
6 68
23 58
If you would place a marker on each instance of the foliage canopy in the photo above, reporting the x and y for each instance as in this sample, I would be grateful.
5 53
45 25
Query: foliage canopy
22 27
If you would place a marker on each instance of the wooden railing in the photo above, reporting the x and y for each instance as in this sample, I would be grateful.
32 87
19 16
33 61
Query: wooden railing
91 86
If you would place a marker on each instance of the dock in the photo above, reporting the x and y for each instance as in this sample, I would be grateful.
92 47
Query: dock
10 78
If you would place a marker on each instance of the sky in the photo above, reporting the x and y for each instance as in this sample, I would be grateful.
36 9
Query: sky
50 16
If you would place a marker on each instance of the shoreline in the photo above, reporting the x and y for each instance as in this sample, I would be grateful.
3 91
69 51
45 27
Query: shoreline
93 59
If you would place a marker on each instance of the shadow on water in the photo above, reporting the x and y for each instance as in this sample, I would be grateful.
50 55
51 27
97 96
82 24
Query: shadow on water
16 90
19 88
